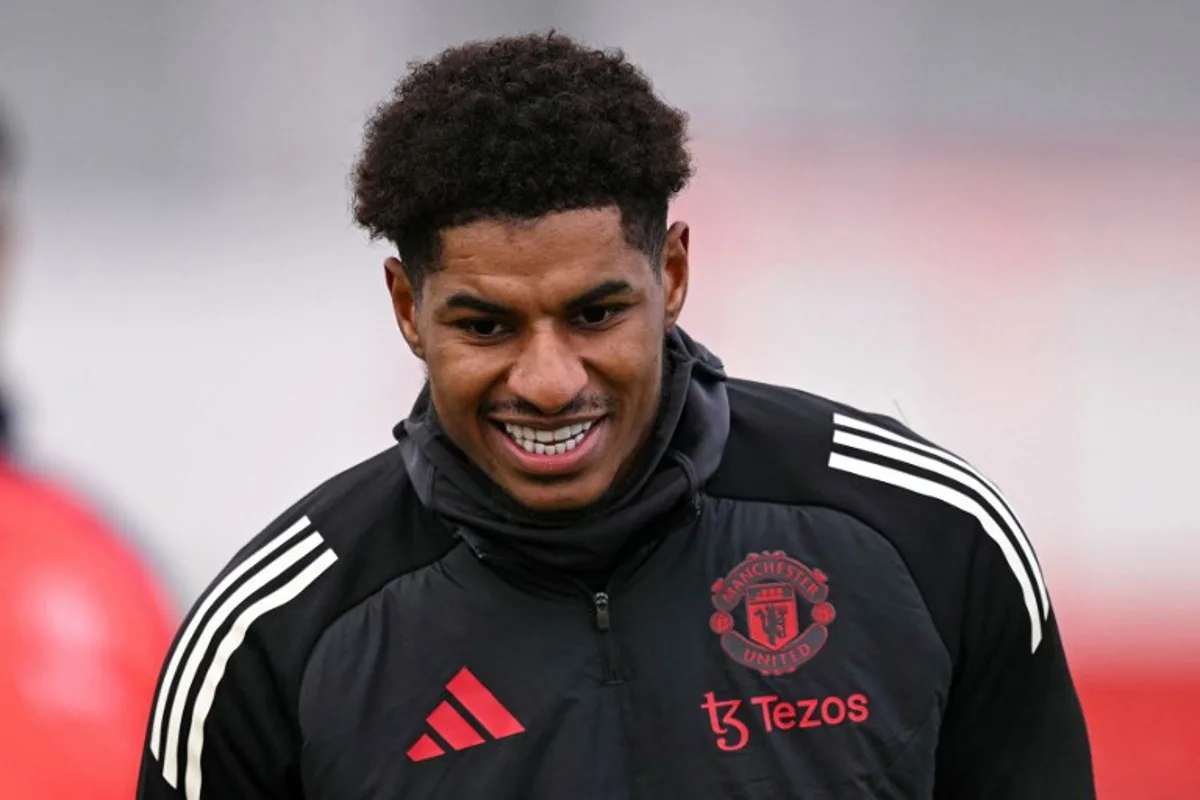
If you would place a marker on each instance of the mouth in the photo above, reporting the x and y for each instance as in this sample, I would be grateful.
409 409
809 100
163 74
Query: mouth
546 442
549 451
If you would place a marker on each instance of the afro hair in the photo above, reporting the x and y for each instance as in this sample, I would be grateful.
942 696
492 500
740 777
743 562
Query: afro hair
517 128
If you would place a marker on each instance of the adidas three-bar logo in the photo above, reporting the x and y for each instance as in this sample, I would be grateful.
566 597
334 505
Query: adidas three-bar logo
882 455
272 576
452 726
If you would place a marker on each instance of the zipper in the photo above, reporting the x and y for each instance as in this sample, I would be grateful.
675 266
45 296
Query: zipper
609 667
602 601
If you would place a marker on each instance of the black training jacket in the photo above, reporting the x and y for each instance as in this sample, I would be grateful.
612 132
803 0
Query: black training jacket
791 599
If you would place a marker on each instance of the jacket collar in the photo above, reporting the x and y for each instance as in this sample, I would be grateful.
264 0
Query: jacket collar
684 450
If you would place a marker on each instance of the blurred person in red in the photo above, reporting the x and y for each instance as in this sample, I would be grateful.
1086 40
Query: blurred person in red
83 628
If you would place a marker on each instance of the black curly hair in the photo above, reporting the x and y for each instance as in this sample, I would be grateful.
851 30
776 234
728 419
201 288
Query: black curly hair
516 128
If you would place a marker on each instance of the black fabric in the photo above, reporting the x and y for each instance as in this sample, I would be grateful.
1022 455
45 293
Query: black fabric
904 663
682 453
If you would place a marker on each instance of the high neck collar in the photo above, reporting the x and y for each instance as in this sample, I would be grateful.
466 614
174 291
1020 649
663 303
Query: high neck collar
682 452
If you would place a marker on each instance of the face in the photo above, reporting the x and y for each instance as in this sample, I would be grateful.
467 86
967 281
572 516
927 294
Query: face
544 345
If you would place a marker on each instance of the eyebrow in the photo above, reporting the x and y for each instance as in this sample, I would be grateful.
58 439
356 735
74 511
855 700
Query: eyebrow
595 295
469 302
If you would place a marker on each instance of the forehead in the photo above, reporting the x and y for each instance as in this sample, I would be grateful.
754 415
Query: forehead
560 252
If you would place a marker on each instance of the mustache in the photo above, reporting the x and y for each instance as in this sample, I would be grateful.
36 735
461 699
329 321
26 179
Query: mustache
583 404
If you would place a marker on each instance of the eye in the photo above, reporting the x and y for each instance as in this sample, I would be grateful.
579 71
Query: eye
599 316
481 328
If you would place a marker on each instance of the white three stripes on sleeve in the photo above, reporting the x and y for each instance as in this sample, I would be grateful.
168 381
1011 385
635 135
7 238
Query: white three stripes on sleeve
966 474
201 615
960 475
231 642
251 576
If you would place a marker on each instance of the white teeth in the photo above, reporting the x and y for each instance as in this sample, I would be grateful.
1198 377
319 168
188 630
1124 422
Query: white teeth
547 442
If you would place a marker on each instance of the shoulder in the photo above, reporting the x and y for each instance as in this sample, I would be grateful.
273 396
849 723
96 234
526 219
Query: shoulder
782 441
790 446
257 623
345 538
939 512
331 550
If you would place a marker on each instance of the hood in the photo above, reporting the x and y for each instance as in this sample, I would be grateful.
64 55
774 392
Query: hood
682 453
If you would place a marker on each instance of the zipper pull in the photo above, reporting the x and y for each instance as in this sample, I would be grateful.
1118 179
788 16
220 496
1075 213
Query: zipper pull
601 601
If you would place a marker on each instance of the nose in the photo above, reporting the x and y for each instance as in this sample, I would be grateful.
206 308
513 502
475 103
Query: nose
547 374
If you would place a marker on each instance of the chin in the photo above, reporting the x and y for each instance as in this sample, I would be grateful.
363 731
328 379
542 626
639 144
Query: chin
551 497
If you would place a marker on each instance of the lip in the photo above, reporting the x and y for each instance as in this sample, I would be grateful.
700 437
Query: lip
551 463
542 424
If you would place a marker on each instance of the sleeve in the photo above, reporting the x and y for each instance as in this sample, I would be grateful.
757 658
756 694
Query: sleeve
1013 726
218 730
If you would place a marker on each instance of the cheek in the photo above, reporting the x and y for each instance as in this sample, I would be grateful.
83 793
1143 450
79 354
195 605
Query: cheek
632 366
461 375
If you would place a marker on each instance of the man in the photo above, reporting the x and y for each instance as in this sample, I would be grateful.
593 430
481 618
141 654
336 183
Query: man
594 566
83 628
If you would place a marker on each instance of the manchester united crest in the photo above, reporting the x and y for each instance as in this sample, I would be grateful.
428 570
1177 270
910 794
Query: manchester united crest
781 632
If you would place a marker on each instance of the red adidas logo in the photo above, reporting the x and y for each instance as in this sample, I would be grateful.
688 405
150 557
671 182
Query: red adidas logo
453 727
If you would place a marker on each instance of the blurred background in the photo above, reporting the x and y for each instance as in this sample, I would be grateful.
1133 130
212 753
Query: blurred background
981 218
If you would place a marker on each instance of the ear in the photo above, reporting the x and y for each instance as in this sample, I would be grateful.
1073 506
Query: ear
675 273
404 304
